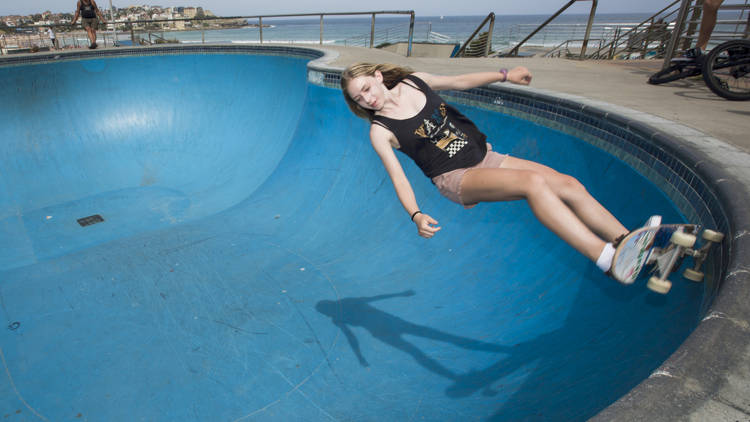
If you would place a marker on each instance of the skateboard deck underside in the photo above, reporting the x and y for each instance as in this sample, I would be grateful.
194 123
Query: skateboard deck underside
634 251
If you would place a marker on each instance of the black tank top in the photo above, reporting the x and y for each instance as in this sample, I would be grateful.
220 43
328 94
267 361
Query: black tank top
87 10
439 138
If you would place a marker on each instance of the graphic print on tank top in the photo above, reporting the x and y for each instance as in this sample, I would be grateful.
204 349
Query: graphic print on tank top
87 10
441 132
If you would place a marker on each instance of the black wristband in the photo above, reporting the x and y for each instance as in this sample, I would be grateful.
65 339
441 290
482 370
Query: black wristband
415 213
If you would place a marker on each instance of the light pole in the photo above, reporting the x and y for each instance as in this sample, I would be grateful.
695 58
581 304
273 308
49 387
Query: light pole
114 25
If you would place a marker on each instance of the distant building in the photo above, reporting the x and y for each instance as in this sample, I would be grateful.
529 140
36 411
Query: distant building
12 20
122 15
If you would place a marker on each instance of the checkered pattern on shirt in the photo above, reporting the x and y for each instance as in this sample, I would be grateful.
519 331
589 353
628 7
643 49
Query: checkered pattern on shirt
455 146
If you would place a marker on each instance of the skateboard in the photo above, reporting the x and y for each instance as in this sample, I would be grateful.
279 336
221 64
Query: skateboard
663 247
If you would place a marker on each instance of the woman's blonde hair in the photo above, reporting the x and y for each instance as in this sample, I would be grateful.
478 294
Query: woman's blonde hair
392 75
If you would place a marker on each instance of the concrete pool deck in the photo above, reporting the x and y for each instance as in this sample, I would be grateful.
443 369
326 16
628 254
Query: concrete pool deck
716 128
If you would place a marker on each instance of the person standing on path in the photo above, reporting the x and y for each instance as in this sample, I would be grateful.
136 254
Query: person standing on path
88 10
52 38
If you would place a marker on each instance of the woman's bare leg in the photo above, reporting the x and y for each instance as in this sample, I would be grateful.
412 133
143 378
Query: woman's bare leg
513 182
708 22
574 194
92 35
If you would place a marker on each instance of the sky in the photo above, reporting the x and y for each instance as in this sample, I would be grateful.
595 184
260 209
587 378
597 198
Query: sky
420 7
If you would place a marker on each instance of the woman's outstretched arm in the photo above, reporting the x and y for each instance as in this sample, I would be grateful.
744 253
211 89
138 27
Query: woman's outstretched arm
518 75
381 142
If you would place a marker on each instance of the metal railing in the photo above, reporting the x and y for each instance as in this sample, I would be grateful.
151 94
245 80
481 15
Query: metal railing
514 51
648 36
322 15
422 32
22 43
380 37
567 48
671 29
483 44
652 37
131 26
437 37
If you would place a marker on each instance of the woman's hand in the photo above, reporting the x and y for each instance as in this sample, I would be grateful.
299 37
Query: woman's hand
426 225
519 75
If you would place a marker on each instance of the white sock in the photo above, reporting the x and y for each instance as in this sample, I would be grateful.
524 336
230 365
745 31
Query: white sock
605 258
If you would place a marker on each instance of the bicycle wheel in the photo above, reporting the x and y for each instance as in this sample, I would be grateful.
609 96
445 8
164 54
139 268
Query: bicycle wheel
677 70
726 70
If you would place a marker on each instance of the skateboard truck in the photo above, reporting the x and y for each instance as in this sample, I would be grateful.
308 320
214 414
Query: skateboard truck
700 255
680 244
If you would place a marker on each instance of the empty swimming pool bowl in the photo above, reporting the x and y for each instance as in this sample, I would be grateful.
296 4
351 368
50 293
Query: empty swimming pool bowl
249 259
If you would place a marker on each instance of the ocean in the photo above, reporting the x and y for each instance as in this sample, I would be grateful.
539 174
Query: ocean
355 31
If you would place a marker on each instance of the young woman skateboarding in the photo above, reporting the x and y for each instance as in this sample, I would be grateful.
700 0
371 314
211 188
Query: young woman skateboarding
406 114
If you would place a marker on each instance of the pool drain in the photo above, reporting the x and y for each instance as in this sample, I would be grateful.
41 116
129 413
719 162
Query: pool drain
92 219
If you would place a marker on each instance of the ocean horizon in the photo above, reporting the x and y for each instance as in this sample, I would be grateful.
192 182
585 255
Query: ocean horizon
355 31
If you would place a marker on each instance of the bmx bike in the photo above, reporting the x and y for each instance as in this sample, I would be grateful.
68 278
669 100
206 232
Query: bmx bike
725 70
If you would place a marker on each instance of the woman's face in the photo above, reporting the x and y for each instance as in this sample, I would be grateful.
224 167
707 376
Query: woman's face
367 91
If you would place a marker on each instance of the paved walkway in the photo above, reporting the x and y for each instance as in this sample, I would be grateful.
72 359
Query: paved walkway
622 83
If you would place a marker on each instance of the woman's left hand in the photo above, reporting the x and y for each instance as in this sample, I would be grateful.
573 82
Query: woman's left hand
519 75
426 225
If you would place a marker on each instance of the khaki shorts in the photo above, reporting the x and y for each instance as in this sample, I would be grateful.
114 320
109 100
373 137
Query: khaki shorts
92 23
449 184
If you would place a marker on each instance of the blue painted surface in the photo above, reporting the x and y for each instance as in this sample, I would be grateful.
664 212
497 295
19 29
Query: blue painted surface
255 264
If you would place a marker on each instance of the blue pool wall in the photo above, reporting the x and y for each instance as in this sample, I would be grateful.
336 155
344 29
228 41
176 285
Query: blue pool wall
685 176
34 184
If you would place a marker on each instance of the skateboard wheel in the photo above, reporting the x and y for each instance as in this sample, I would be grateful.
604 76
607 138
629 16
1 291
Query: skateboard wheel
658 285
683 239
713 236
693 275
